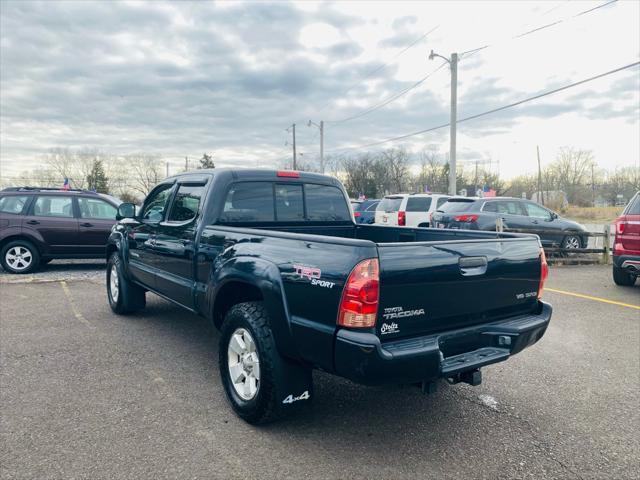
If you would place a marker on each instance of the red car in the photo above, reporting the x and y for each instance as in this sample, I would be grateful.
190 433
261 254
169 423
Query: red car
626 247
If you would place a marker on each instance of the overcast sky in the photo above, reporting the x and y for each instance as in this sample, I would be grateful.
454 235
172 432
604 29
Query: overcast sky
183 78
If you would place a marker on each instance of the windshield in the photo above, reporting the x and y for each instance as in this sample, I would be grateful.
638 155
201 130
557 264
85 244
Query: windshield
389 204
456 205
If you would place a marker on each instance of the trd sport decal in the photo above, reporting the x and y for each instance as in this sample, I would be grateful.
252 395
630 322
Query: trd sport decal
313 274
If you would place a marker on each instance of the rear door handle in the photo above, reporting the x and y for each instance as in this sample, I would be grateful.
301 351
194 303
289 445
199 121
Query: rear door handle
33 222
86 224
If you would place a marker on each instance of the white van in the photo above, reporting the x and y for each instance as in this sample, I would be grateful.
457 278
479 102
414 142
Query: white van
410 210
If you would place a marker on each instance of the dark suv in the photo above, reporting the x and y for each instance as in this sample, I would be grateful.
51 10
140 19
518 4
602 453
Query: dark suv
38 225
522 215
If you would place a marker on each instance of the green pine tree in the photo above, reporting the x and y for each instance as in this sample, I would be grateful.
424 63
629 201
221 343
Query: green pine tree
207 161
97 179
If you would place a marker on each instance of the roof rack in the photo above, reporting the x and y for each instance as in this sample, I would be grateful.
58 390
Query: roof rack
46 189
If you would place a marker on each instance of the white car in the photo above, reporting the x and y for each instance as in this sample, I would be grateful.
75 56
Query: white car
410 210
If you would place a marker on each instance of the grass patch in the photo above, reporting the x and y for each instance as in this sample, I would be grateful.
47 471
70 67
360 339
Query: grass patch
593 214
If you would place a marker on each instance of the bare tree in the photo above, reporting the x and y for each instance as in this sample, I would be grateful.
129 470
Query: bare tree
145 171
397 162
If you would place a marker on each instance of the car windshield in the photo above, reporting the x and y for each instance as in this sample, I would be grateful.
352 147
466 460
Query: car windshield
389 204
456 205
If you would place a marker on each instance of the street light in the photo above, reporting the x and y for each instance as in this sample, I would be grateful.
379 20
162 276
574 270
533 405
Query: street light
453 63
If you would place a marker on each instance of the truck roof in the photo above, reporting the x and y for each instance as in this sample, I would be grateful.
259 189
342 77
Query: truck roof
262 174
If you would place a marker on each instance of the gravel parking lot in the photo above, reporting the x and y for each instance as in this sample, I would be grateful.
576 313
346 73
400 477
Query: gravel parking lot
86 394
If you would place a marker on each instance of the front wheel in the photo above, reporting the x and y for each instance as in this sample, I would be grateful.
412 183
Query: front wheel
124 296
260 385
623 278
20 256
571 242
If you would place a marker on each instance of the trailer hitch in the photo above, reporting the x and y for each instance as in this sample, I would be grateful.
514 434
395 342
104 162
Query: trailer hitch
472 377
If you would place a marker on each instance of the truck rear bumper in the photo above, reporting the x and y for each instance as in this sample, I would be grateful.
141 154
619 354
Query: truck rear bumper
361 357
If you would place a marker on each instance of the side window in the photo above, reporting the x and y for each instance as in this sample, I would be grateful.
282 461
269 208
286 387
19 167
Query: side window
156 203
490 207
98 209
12 203
249 202
537 211
289 205
418 204
186 203
325 203
53 206
634 206
441 201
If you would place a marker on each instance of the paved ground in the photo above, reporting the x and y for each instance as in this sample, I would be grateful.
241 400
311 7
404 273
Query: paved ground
86 394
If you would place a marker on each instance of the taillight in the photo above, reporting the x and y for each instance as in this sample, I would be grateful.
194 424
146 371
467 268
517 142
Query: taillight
544 272
288 173
466 218
359 303
356 214
620 226
402 218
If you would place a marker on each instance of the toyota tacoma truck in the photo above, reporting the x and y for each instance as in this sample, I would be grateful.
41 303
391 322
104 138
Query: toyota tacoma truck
276 262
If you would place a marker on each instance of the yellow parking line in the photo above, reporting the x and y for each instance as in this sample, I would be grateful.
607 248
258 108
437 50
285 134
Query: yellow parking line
597 299
74 308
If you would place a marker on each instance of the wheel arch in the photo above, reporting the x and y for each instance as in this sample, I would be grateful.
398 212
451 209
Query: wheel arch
21 236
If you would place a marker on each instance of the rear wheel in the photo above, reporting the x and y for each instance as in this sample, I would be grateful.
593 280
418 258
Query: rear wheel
124 296
20 256
623 278
260 385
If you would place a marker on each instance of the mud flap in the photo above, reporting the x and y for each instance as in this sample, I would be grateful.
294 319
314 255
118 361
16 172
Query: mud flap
293 384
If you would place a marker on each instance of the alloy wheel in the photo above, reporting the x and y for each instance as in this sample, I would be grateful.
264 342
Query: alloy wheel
19 258
243 364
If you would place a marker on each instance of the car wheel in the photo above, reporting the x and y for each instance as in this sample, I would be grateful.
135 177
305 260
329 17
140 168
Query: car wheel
571 242
124 296
260 385
623 278
20 256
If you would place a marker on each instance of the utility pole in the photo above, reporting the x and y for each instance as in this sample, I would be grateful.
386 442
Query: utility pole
541 199
294 146
167 166
453 63
321 127
593 187
186 164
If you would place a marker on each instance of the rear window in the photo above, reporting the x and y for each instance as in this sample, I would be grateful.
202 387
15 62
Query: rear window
418 204
634 206
389 204
372 207
456 205
12 203
269 202
249 202
325 203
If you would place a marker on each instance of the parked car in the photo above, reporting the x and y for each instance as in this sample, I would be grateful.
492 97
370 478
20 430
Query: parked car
473 213
364 211
626 246
275 261
409 210
38 225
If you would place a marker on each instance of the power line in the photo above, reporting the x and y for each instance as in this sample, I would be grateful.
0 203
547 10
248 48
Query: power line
495 110
389 100
384 65
473 51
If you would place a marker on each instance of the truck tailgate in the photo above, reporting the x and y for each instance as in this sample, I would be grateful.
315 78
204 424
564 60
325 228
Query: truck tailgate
429 287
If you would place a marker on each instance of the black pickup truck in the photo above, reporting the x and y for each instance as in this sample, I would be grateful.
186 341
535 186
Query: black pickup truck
275 260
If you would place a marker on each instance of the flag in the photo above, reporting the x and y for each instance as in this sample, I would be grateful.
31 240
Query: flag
489 193
65 185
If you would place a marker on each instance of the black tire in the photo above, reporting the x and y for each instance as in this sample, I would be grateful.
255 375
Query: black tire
622 278
282 387
571 242
126 297
29 257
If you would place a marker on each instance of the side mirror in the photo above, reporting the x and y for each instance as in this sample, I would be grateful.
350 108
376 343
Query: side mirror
554 215
126 210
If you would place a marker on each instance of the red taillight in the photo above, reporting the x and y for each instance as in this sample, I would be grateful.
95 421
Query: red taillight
620 226
466 218
356 214
359 303
544 272
402 218
288 173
